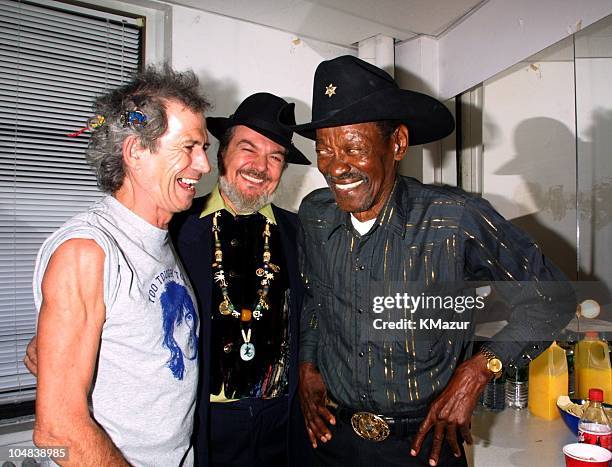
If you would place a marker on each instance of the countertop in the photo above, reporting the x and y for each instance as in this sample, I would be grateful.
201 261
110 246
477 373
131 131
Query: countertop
516 438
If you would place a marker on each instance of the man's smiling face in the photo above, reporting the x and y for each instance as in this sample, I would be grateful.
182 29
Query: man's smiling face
166 178
252 168
360 164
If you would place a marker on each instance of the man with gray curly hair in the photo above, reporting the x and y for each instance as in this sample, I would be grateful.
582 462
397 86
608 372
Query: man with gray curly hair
117 345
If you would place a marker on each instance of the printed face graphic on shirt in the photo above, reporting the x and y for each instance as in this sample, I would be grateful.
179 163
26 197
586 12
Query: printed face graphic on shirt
180 323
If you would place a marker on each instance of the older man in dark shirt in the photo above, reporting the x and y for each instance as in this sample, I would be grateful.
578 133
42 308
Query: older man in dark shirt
386 371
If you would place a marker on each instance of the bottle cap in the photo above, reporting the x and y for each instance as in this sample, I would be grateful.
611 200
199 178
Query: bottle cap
595 395
591 334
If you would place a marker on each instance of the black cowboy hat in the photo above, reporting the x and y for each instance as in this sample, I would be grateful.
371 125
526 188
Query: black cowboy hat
348 90
260 112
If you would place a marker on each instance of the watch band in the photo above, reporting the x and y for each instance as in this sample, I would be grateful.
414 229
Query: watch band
487 353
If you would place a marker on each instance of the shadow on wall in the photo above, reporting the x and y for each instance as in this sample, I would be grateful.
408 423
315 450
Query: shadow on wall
408 80
299 180
549 189
556 202
413 163
223 96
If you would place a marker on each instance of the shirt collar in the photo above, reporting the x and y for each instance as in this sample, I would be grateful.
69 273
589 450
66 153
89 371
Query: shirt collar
392 215
215 202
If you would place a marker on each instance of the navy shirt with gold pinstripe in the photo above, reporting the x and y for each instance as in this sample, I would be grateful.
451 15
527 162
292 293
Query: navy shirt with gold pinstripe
425 237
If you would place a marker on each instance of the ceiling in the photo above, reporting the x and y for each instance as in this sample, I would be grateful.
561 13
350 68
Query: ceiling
344 22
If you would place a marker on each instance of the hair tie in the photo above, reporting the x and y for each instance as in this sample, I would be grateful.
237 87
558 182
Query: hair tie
133 119
93 123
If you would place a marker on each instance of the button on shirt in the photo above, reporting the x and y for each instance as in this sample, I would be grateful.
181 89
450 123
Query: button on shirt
425 237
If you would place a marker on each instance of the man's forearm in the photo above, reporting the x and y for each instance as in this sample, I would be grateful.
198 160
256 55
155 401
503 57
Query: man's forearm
537 292
540 312
87 444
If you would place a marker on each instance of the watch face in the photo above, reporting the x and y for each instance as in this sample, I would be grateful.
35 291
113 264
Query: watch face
495 365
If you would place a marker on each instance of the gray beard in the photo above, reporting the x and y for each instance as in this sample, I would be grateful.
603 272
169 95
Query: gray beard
243 204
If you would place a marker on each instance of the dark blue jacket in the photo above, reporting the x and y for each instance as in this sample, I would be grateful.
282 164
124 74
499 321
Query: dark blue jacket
192 237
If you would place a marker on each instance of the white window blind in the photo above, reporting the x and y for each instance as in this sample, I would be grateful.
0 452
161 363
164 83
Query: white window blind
54 60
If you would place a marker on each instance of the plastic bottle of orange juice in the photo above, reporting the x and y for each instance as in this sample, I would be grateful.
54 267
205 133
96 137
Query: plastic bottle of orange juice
592 367
547 381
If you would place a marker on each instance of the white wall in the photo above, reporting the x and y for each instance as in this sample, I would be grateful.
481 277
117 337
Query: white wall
234 59
502 33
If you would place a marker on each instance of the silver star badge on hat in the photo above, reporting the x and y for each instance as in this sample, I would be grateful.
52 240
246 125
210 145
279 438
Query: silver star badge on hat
330 90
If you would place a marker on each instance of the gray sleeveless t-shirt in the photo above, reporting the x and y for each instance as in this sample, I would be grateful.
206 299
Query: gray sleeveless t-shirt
143 393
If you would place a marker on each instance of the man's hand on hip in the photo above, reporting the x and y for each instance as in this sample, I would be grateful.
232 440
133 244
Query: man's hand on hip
452 410
313 395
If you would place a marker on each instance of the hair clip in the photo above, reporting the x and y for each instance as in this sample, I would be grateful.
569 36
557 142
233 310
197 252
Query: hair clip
133 118
93 123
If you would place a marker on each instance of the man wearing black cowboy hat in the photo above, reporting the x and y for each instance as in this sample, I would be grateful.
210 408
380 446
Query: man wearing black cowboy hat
400 394
239 252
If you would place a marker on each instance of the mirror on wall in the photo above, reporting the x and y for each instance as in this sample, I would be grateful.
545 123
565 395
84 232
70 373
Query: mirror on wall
543 129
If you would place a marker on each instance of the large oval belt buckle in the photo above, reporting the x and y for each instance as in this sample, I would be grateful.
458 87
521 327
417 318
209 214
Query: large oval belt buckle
370 426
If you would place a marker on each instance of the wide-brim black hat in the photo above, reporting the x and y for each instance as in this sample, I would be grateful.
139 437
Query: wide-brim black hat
348 90
261 113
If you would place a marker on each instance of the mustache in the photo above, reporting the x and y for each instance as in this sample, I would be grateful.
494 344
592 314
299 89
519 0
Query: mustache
353 175
255 173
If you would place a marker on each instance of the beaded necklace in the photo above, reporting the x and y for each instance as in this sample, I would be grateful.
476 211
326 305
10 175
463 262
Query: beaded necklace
226 307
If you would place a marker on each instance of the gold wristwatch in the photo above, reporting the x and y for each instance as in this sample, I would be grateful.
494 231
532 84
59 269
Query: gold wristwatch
494 364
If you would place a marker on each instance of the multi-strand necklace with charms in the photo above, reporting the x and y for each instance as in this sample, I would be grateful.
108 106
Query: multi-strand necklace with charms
226 307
